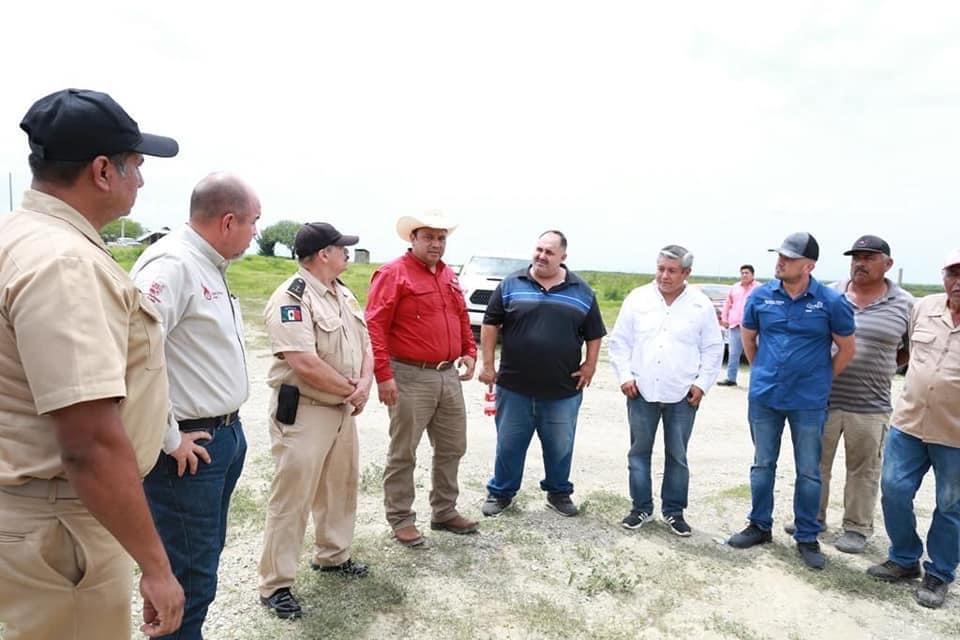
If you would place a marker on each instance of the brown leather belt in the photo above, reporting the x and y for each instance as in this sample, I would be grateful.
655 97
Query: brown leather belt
51 490
436 366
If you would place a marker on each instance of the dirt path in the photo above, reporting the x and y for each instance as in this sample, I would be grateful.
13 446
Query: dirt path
532 574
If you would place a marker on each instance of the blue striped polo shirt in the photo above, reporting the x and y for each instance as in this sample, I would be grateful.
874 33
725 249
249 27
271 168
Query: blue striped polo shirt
543 333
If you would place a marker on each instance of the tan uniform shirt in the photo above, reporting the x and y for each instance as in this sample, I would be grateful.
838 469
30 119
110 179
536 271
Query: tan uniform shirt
929 407
319 321
73 328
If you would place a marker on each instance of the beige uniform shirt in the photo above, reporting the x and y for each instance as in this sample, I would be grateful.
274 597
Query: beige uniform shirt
316 320
929 407
73 328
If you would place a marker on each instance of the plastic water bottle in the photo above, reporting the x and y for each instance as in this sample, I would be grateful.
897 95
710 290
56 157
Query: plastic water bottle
490 402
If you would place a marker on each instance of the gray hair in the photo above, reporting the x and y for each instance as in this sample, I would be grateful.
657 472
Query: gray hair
676 252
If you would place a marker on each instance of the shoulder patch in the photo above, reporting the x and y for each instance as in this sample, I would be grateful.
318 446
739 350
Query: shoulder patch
291 313
297 287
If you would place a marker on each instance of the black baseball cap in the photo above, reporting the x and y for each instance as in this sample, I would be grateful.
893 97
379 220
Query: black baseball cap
799 245
314 236
75 125
870 244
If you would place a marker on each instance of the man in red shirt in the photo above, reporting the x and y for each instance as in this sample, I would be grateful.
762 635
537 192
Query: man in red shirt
420 334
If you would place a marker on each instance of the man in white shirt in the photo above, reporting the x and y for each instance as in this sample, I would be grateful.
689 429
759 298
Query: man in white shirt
666 350
184 275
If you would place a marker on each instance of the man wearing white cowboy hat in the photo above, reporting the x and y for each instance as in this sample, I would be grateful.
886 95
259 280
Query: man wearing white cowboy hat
420 334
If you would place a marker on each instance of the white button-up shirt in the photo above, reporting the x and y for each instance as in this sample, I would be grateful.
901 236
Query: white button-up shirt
183 275
666 348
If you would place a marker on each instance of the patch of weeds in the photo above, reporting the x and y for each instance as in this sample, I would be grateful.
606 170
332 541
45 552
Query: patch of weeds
604 576
371 478
840 576
338 607
540 616
605 505
731 628
738 492
247 507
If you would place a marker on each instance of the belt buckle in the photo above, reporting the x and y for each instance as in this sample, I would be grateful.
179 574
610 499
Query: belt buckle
443 364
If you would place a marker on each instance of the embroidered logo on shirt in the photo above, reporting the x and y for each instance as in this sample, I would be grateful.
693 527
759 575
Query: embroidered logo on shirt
206 292
772 301
153 293
291 313
814 305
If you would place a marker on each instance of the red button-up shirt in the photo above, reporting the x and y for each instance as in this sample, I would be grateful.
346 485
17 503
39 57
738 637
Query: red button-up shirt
417 315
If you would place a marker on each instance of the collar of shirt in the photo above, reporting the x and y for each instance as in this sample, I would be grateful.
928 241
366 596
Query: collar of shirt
413 260
318 286
568 278
205 249
893 291
34 200
813 288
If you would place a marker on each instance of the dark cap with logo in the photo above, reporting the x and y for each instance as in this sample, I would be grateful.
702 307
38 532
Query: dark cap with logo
75 125
799 245
314 236
869 244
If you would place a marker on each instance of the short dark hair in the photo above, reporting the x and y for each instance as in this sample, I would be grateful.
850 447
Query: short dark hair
64 173
748 267
559 234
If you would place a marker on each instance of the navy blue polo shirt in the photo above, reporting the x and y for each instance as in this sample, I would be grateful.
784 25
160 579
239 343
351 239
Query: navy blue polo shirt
543 333
793 367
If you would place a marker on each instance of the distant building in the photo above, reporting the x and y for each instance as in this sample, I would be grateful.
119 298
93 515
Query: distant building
152 236
361 256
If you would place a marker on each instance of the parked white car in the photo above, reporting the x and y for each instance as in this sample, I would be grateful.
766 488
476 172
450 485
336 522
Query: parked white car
124 242
479 276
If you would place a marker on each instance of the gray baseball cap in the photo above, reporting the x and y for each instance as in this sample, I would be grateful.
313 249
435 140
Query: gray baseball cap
799 245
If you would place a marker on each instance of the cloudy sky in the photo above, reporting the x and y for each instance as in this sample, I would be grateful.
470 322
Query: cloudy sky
721 126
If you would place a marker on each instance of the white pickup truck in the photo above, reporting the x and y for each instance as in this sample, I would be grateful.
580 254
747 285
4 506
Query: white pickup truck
479 276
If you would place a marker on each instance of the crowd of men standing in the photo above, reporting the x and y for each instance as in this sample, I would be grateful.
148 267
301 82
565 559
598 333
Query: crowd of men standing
111 378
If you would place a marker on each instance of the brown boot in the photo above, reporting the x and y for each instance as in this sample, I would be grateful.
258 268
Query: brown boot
457 524
409 536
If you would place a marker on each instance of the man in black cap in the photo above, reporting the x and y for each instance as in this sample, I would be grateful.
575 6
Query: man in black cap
859 408
321 376
798 320
83 387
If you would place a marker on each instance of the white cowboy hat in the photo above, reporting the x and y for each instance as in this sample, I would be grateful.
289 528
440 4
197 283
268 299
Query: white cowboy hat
434 219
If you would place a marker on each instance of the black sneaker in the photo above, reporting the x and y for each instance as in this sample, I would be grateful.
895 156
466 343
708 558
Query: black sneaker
678 525
494 506
562 504
635 519
890 571
726 383
349 568
749 537
811 554
932 592
283 604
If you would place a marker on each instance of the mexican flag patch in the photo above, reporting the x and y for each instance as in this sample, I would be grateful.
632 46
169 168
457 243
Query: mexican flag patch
291 313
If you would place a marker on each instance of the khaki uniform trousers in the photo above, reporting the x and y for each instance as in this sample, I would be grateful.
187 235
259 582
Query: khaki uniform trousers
62 575
317 472
863 435
433 401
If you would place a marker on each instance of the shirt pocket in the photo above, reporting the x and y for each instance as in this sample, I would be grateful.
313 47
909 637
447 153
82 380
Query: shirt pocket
456 298
426 299
327 330
923 345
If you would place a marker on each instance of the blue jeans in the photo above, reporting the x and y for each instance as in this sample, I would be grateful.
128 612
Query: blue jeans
766 431
191 517
644 417
555 422
734 351
905 461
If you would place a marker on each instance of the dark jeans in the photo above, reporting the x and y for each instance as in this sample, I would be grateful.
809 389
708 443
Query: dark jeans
191 516
644 417
806 432
518 417
906 460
